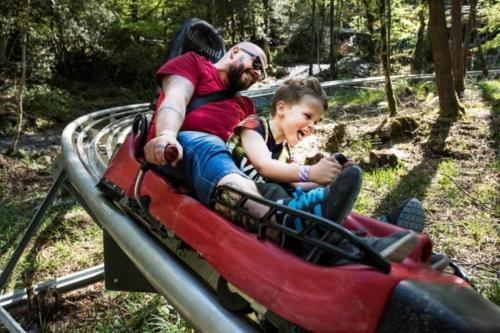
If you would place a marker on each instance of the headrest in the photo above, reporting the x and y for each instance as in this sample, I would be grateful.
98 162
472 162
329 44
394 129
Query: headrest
139 135
198 36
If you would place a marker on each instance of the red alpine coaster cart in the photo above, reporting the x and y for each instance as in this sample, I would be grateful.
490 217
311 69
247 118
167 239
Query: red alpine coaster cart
273 287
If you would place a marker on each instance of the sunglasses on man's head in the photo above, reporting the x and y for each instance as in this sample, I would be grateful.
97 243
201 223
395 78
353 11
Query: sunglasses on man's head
257 62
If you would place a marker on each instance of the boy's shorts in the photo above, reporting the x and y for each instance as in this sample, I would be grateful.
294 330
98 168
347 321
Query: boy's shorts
206 160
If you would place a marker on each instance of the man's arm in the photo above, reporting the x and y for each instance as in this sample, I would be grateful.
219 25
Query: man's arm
170 116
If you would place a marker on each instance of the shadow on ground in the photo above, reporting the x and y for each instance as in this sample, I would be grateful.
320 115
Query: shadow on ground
416 182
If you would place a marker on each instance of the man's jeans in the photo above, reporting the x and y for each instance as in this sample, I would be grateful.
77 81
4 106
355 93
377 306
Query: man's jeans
205 162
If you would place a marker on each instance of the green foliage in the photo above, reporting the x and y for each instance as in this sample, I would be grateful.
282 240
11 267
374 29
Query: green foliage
361 145
424 89
384 179
48 101
356 96
490 12
404 25
491 91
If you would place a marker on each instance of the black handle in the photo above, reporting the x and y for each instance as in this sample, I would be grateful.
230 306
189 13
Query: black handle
340 158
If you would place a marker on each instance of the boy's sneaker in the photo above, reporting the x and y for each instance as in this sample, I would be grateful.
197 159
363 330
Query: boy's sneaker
395 247
440 261
333 202
409 215
343 193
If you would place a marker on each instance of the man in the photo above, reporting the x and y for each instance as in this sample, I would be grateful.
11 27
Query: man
200 136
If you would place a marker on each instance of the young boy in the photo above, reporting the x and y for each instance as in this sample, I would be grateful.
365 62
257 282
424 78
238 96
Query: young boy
261 149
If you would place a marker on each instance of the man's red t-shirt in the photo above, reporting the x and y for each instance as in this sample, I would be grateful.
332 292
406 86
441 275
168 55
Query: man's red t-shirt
218 118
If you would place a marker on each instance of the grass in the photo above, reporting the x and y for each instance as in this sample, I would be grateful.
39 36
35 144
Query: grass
356 96
491 92
139 312
361 146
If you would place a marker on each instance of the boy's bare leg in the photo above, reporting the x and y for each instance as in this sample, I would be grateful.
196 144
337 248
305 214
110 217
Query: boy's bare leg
240 183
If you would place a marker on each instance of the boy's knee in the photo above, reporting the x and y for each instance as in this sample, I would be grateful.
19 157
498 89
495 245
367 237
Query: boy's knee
243 184
239 182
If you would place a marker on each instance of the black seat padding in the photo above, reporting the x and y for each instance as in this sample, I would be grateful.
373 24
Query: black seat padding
418 306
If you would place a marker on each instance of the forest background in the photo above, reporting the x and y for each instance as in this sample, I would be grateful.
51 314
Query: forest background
73 46
60 59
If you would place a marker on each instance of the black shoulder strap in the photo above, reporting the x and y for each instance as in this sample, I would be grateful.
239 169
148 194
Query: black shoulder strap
209 98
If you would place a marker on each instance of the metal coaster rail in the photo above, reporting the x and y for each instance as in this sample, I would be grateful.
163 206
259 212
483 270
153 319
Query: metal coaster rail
88 144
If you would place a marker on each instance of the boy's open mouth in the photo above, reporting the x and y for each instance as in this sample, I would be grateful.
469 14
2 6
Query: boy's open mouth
300 134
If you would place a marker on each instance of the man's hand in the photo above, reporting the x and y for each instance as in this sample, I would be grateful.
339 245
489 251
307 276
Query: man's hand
325 171
154 150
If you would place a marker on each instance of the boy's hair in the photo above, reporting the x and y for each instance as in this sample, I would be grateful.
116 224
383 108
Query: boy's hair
292 91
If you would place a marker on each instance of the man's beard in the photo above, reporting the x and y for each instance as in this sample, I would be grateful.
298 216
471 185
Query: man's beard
235 77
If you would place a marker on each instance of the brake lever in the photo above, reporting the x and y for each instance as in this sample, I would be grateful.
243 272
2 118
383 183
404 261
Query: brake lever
170 153
340 158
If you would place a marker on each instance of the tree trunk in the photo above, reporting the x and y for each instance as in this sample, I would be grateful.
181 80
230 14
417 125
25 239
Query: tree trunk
456 46
449 105
211 12
242 26
254 26
384 56
370 26
484 65
340 9
3 48
333 42
267 17
22 81
314 37
321 33
338 19
466 56
134 11
4 35
267 50
233 23
389 29
418 58
473 12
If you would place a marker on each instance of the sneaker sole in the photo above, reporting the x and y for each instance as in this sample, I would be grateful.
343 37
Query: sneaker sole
353 196
401 249
412 217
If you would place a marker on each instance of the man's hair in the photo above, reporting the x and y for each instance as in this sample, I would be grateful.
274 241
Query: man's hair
292 91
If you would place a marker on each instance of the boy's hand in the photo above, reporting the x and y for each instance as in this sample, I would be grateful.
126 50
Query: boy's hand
154 150
325 171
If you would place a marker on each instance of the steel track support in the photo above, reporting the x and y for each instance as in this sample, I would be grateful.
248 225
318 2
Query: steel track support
66 283
63 284
32 228
10 323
